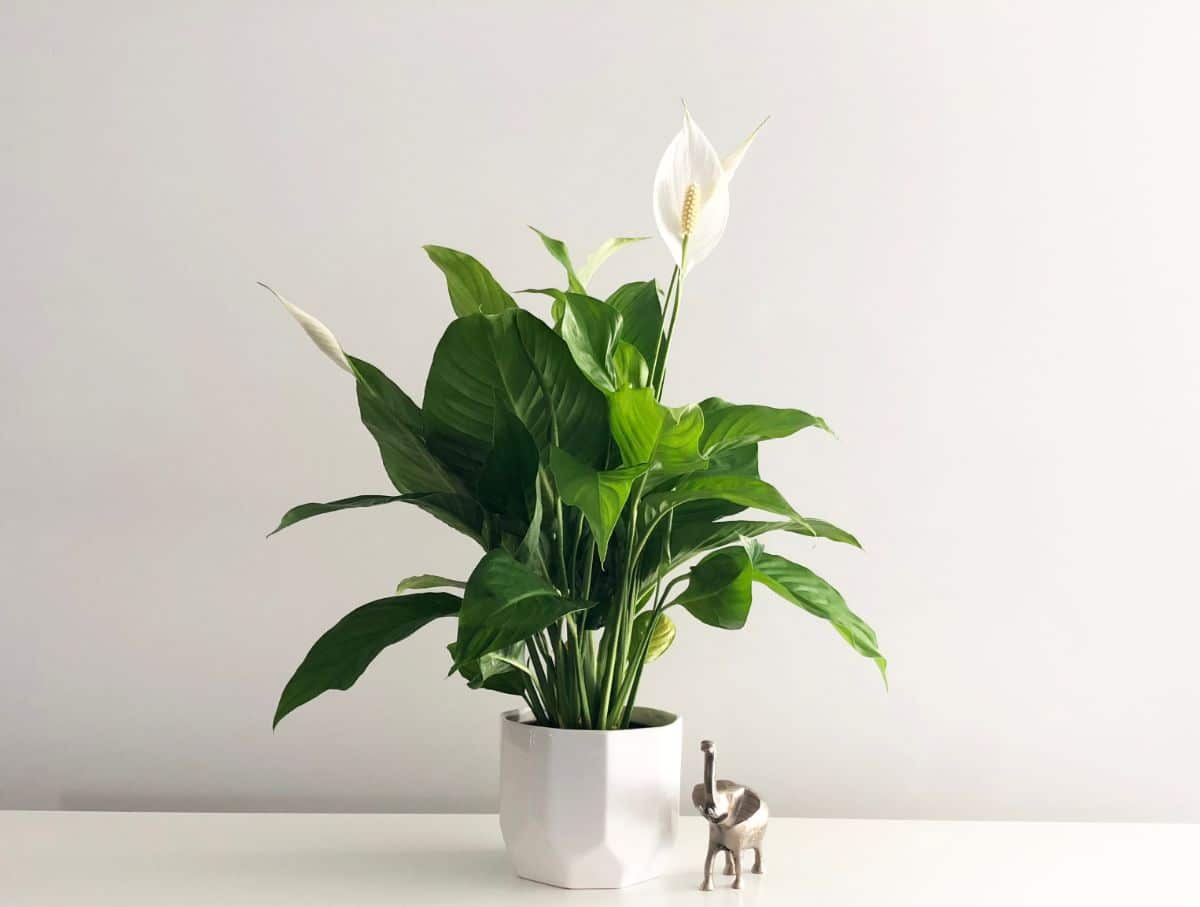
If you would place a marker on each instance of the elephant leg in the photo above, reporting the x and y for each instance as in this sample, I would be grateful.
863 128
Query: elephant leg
707 884
729 862
737 869
757 860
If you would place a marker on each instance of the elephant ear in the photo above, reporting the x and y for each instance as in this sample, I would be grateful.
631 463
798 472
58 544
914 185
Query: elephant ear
748 805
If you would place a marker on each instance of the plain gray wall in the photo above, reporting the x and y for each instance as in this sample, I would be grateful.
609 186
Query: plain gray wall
967 238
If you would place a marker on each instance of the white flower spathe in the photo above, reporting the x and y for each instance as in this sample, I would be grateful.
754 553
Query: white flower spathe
691 191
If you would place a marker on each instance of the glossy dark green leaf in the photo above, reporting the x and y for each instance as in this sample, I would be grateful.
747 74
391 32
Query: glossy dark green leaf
398 427
641 316
600 495
505 603
491 672
690 536
802 587
718 592
341 655
648 432
531 550
509 474
740 490
471 286
590 329
558 249
304 511
661 637
729 425
516 361
629 367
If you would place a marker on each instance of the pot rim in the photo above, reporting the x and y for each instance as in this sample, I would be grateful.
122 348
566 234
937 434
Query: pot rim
665 721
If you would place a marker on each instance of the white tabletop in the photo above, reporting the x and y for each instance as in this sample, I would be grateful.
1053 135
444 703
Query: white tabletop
199 858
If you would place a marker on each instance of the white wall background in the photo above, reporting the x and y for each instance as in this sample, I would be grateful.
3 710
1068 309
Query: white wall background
967 238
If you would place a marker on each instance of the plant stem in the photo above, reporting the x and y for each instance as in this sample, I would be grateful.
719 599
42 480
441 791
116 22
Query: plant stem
662 374
575 646
658 342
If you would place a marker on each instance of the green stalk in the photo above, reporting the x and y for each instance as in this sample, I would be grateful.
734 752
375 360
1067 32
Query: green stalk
540 660
531 696
575 647
658 342
662 375
629 695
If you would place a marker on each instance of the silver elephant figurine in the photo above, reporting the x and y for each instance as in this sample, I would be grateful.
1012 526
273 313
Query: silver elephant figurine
737 821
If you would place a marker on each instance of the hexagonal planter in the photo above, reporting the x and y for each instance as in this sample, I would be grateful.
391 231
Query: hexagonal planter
590 809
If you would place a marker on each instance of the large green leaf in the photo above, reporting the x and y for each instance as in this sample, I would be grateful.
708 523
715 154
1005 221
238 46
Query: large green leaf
691 536
341 655
495 671
648 432
599 495
743 491
558 249
718 593
399 427
590 329
601 255
505 603
516 361
629 367
729 425
304 511
471 286
694 533
718 590
661 636
802 587
509 476
641 316
441 505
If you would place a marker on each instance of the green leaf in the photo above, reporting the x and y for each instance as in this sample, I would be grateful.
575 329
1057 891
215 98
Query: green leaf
802 587
741 490
641 316
471 286
558 249
531 551
341 655
718 591
597 258
516 361
506 483
660 639
730 425
428 581
601 496
691 536
304 511
648 432
493 671
629 368
398 427
558 306
504 604
590 329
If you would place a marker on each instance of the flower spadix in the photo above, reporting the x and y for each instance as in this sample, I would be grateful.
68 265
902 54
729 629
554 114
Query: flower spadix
691 191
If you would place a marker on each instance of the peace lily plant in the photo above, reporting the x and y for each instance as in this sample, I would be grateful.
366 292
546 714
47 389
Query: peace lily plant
549 445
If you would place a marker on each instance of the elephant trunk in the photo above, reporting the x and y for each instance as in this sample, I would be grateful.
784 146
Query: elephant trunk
710 776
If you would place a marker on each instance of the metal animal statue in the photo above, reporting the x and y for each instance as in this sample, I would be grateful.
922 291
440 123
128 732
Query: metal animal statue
737 821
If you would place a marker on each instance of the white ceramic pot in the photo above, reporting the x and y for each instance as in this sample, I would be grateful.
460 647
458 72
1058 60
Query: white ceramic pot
590 809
